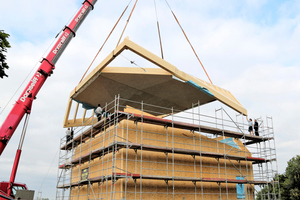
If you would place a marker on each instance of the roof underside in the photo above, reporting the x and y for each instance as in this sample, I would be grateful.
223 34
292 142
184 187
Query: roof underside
158 88
165 86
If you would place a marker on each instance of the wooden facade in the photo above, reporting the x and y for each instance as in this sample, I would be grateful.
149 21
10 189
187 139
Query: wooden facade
132 159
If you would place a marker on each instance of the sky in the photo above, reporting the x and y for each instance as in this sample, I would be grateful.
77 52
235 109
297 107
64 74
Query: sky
250 48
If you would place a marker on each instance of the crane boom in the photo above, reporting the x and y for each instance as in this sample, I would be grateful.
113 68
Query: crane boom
23 104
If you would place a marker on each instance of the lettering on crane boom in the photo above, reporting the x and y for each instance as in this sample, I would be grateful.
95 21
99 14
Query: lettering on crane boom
62 41
81 13
64 37
34 80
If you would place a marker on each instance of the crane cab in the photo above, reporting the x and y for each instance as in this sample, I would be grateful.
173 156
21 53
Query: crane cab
16 186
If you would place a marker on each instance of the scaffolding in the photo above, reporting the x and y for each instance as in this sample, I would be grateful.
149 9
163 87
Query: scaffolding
137 153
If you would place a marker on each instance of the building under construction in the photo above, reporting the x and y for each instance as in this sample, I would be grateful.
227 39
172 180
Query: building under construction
155 143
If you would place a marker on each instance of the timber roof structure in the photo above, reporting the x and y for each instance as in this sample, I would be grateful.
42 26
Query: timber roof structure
165 86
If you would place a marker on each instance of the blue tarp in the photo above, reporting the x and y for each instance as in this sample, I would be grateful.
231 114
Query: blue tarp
203 89
230 142
240 190
85 105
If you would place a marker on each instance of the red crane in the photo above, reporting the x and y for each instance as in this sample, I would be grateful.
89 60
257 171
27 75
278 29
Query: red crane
24 103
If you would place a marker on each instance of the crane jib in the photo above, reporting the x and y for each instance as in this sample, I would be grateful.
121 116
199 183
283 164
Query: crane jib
33 82
61 42
23 105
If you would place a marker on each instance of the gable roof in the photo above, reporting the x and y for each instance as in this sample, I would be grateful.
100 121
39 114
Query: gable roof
164 86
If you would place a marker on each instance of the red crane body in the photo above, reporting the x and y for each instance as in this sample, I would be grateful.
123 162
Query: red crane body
24 102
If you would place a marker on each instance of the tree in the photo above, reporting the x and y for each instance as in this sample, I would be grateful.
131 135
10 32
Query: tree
289 183
4 44
292 182
270 190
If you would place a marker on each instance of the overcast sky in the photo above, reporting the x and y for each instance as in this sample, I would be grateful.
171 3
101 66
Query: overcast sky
250 48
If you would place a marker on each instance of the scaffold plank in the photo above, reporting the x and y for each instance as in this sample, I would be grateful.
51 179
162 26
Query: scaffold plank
194 127
118 176
103 123
92 131
260 140
119 145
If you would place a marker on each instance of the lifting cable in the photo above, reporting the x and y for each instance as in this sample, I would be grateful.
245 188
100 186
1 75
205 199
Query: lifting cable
48 170
188 41
26 78
133 62
18 88
105 42
35 66
161 48
127 22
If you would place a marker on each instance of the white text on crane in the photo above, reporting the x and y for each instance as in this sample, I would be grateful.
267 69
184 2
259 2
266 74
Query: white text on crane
34 80
64 37
62 40
81 13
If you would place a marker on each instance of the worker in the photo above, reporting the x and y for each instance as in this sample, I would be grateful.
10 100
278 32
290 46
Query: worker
106 114
68 135
72 133
250 123
98 111
256 126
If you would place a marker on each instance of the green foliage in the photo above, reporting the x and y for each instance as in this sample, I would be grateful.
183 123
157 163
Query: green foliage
295 194
292 183
4 44
272 188
289 183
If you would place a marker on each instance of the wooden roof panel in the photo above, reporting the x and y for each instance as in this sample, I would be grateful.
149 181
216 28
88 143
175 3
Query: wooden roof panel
164 86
